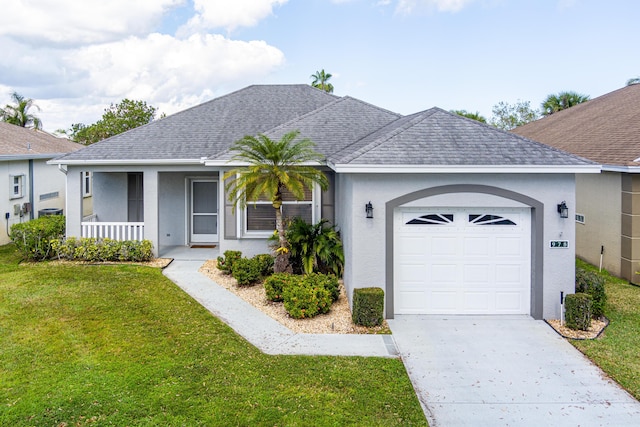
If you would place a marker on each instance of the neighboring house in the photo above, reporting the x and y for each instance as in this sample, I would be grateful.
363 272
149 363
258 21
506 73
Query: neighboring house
463 213
605 130
28 185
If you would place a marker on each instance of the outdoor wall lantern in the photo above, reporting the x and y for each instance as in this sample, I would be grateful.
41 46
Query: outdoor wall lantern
563 210
369 210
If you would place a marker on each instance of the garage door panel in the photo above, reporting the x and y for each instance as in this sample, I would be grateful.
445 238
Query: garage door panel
442 301
443 246
444 274
476 302
476 273
476 246
466 261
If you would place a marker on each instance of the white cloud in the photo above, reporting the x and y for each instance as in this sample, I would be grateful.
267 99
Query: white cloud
229 14
410 6
73 22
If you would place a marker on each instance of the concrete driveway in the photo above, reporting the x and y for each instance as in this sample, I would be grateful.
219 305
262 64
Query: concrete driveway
505 371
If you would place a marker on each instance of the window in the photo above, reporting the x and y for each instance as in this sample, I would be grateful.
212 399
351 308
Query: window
580 218
432 219
16 186
86 184
261 217
490 220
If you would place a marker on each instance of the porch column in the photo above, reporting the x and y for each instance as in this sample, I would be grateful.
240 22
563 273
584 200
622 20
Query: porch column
150 185
73 202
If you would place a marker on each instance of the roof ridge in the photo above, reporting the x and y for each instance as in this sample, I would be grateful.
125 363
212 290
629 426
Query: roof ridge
411 119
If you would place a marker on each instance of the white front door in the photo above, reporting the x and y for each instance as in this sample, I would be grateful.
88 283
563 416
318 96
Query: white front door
204 211
462 261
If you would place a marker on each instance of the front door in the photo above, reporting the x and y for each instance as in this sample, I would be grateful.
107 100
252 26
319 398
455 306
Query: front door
204 211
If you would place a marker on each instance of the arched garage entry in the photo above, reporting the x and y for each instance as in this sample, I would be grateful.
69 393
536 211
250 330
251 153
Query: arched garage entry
536 237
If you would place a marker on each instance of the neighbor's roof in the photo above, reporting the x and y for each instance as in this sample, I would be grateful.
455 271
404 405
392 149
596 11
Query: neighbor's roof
207 129
439 138
605 129
21 143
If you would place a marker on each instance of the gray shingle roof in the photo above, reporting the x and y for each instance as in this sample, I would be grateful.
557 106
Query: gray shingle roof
16 141
437 137
346 130
209 128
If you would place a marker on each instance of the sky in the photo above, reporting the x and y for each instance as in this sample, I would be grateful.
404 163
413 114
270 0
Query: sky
75 58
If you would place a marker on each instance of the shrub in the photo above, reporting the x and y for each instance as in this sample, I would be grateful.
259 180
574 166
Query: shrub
225 264
306 299
265 261
33 238
275 284
592 283
328 281
368 305
100 250
578 311
246 271
315 247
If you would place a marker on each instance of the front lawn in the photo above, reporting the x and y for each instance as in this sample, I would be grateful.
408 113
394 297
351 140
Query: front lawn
617 351
122 345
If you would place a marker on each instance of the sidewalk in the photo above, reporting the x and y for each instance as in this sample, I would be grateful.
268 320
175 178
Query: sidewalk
264 332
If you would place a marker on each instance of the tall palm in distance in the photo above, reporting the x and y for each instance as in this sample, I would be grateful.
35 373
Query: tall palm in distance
320 81
561 101
18 114
633 81
273 167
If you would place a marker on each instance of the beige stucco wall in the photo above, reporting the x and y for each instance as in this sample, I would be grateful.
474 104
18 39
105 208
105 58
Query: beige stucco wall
598 199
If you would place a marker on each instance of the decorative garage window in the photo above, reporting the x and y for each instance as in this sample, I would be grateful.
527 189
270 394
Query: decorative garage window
489 219
17 182
260 216
432 219
580 218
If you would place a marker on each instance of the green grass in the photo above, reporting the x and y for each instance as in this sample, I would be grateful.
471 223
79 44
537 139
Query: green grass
123 346
617 351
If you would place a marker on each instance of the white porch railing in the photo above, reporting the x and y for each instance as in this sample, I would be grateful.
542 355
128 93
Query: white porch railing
113 230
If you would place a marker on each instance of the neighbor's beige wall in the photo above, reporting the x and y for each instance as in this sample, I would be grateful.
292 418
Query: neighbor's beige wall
598 199
630 248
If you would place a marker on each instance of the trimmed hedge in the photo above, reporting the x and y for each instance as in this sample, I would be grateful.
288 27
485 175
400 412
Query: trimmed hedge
101 250
246 271
33 238
591 283
368 306
578 311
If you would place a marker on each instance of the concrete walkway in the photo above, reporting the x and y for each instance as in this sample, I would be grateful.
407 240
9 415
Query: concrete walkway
258 328
505 371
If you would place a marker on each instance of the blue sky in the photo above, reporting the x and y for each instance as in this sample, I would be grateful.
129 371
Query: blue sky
403 55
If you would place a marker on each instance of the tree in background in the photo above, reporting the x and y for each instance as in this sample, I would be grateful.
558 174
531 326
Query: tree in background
18 114
320 81
473 116
633 81
274 166
561 101
509 116
118 118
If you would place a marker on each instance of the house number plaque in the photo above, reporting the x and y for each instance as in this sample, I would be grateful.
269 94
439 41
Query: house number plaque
554 244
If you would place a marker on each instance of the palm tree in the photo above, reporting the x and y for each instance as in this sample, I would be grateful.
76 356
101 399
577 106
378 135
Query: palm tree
320 79
18 114
274 166
562 101
633 81
468 114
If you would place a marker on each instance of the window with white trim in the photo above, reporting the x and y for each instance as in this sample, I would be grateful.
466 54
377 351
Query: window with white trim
86 184
260 216
17 183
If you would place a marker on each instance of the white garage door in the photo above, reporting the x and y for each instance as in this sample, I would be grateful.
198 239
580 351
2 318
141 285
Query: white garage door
462 261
